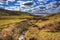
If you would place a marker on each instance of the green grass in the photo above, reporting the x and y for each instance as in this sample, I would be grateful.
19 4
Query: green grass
16 17
12 19
6 21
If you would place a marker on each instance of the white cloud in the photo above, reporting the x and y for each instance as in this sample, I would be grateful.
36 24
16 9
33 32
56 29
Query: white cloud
1 3
11 0
16 8
49 8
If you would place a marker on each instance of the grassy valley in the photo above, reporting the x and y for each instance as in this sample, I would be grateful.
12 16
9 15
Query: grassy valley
32 27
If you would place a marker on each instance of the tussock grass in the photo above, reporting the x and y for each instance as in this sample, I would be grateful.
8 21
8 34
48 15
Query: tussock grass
35 28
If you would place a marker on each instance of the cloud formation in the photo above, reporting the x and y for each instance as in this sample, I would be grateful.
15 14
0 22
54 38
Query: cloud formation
39 7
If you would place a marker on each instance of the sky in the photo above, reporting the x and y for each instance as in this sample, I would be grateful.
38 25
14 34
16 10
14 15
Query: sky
39 7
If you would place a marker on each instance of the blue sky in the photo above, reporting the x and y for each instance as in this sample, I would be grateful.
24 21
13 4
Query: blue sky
49 6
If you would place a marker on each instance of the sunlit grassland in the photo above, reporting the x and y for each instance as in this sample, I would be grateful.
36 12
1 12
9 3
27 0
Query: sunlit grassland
44 34
50 19
34 32
12 19
15 17
8 21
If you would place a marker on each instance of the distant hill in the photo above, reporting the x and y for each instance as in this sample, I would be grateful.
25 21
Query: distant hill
8 12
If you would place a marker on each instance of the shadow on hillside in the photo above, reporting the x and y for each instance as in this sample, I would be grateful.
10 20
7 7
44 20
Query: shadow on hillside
58 30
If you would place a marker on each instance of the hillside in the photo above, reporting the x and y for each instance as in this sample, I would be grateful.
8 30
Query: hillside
38 28
4 12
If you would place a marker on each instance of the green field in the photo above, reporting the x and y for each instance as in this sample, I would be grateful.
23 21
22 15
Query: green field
8 21
12 19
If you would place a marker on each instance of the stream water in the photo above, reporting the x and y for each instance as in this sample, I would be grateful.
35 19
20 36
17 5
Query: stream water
21 37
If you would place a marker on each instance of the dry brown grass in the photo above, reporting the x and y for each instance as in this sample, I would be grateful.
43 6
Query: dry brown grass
45 28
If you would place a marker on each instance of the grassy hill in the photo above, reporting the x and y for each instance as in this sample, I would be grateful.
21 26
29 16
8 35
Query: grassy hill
4 12
47 28
32 27
7 17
